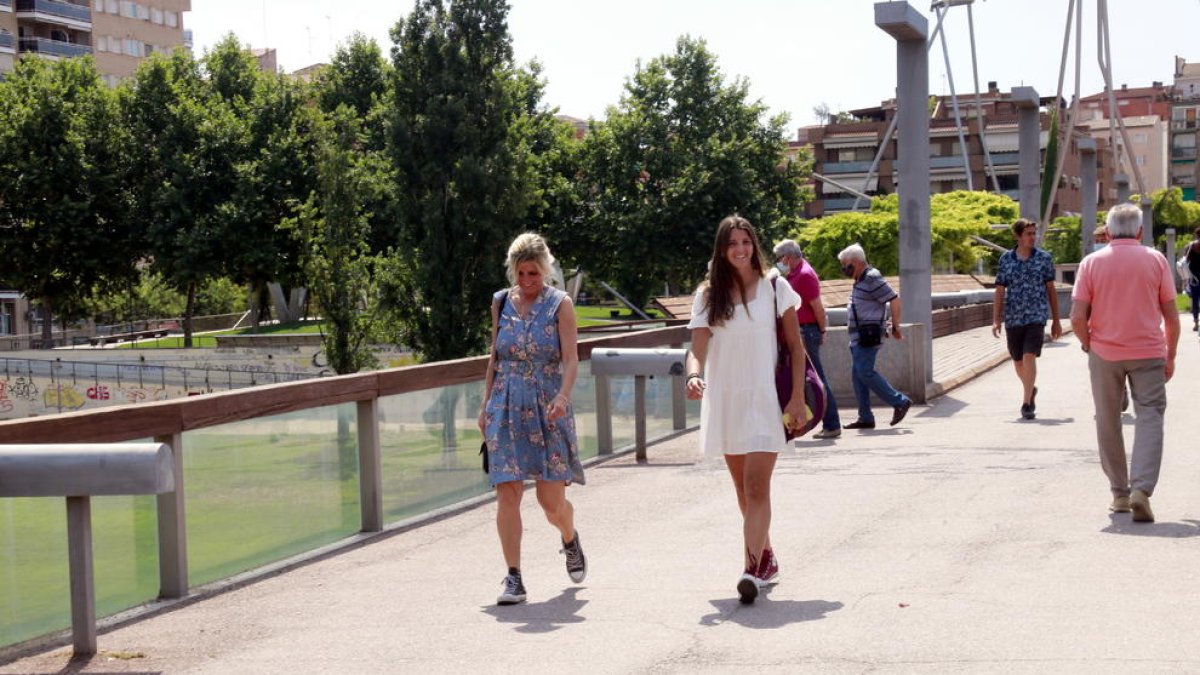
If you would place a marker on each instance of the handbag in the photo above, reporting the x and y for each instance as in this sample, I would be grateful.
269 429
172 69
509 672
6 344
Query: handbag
483 452
814 389
869 334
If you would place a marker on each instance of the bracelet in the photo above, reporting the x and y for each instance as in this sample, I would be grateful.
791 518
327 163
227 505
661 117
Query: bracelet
566 401
691 375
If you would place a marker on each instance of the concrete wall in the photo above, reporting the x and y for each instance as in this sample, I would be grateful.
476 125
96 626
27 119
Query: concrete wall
902 362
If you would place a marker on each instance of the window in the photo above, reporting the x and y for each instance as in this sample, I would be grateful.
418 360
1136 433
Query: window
143 12
98 5
172 19
129 9
114 6
1139 137
156 15
1141 160
102 43
133 47
147 49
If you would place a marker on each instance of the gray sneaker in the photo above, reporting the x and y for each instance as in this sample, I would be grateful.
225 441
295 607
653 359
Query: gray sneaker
514 591
576 560
828 433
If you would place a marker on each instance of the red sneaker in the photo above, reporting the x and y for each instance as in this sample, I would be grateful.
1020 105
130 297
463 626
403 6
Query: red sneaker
768 569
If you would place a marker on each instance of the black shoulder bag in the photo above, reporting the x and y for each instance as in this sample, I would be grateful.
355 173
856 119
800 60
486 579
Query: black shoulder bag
869 334
483 448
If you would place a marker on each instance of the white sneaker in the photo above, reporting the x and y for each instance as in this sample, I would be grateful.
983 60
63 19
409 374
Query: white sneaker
747 587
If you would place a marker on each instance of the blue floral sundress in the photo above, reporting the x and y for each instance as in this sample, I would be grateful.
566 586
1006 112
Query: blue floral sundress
522 443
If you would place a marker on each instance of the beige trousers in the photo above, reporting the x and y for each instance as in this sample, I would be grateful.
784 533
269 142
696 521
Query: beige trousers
1148 391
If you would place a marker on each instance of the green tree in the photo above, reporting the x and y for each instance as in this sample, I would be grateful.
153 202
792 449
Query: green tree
462 170
185 144
681 151
64 207
334 230
1170 210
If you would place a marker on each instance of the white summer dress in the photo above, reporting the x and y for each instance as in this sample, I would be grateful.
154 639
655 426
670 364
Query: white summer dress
740 411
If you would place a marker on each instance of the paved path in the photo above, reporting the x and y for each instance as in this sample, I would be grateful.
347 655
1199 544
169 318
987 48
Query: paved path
964 540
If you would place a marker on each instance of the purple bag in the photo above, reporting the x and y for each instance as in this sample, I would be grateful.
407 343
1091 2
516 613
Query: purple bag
814 391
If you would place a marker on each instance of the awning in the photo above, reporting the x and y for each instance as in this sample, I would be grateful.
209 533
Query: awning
851 181
1009 141
835 143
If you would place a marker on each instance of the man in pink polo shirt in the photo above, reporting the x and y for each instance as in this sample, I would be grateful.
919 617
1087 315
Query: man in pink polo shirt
1124 315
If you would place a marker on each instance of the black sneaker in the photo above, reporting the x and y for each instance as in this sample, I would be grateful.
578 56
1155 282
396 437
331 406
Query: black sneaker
859 424
1027 411
1033 400
576 560
900 411
514 590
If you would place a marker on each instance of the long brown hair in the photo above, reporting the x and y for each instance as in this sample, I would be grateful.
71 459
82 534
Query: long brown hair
722 278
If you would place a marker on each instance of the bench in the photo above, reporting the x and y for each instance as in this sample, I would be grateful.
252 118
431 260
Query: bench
79 472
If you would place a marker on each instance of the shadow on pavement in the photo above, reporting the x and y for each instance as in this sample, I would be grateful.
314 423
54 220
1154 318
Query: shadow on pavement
542 617
767 614
943 406
1121 524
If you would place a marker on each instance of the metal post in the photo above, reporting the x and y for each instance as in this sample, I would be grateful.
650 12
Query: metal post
678 399
83 582
1148 221
172 527
370 472
1171 258
1087 214
1122 182
639 416
909 28
604 440
1029 138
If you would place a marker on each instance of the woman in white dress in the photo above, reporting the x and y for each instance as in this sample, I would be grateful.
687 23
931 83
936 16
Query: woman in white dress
731 369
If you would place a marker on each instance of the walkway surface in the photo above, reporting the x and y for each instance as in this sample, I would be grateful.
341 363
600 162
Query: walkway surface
963 540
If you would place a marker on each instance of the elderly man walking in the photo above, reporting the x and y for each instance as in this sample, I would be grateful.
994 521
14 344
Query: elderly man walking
813 322
1123 312
1025 299
870 299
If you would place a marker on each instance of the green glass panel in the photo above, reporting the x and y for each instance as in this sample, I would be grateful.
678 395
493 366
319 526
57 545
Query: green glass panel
263 490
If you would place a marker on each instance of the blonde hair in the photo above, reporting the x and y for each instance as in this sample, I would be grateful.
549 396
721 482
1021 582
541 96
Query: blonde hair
529 247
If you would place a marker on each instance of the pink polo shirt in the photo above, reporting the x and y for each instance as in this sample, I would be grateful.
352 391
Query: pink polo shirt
1125 284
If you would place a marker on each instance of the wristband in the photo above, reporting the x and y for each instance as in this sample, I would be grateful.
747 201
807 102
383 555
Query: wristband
691 375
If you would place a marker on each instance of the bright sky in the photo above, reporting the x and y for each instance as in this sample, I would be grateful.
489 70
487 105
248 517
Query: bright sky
796 54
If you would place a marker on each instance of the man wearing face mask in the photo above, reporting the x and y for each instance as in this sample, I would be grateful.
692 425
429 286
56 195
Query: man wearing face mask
870 299
811 314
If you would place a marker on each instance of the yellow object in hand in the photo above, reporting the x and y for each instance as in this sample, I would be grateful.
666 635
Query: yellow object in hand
808 414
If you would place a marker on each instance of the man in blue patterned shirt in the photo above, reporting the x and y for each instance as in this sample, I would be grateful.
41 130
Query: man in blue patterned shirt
1025 299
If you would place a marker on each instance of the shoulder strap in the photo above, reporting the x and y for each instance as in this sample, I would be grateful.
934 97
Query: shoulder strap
500 304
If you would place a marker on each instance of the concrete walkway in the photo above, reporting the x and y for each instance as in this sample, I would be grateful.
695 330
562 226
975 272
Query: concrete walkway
964 540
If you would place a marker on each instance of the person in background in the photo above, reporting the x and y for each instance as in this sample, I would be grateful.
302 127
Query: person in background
813 322
1124 315
870 299
1191 259
731 370
1025 299
526 416
1100 238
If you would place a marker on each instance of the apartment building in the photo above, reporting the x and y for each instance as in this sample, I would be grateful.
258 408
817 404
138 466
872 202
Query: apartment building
844 152
1185 127
118 33
1146 112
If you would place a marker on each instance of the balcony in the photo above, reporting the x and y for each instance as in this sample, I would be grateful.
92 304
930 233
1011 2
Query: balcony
53 48
1183 153
55 11
953 162
1006 158
846 167
5 5
843 203
7 41
1183 125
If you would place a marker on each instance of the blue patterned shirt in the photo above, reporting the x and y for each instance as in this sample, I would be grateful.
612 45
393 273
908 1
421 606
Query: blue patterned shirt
1024 281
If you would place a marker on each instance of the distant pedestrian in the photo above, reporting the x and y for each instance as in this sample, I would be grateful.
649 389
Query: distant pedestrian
1025 299
867 324
731 369
1124 315
1191 260
1100 238
526 416
813 322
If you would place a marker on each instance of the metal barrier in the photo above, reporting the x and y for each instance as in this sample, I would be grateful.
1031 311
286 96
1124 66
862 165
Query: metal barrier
79 472
641 363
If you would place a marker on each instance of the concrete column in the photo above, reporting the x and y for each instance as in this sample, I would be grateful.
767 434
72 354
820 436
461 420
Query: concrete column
910 30
1087 216
1147 221
370 466
82 580
604 439
1029 138
1122 182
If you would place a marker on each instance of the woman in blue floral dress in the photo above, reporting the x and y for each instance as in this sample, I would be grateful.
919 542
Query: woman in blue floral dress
526 415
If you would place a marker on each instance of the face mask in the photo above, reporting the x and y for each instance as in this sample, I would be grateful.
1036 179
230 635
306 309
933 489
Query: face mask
783 268
848 270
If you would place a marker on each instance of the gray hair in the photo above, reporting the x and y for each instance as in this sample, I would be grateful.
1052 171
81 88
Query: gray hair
1124 221
853 252
788 249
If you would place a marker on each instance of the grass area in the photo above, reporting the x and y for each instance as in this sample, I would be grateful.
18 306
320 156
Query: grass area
209 339
598 315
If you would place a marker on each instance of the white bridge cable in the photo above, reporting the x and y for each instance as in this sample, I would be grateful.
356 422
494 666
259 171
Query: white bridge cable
1070 127
962 140
1104 55
987 154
